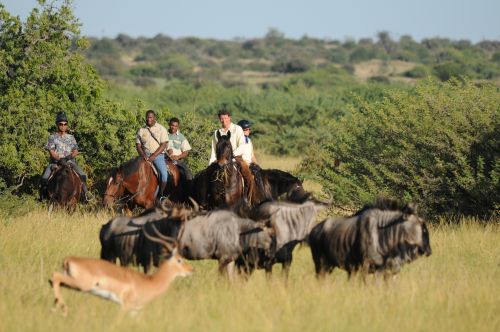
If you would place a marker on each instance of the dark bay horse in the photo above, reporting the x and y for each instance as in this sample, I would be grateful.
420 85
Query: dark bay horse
220 185
135 183
64 186
282 185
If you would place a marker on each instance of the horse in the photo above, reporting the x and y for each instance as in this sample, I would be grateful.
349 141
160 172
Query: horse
221 184
136 184
64 187
282 185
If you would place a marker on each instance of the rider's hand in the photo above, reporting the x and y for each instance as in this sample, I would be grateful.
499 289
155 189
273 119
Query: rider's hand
151 158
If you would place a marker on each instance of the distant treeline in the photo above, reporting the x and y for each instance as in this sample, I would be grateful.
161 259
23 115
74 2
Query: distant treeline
144 59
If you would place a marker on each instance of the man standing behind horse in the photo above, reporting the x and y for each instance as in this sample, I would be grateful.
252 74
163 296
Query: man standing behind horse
237 140
152 139
62 145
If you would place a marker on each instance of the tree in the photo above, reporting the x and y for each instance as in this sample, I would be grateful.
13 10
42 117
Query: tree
43 72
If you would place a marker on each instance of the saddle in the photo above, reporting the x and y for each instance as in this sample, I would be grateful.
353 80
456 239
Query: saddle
55 167
173 171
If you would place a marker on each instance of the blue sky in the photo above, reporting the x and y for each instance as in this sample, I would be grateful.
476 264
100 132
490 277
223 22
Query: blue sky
228 19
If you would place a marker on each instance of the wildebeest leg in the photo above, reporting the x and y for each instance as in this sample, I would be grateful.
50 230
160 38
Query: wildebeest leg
226 264
230 271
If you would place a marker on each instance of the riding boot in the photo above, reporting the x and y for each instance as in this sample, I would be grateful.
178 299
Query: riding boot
86 194
163 185
44 188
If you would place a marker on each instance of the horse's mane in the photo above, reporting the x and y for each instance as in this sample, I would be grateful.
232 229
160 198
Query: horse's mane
127 168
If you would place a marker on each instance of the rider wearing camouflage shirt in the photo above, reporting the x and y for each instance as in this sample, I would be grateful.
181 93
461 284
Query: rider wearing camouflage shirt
62 145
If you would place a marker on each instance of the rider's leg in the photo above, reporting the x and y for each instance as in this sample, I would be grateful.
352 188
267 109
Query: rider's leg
82 176
185 168
247 178
44 182
161 166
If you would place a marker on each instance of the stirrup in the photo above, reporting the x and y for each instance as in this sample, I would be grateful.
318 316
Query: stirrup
88 196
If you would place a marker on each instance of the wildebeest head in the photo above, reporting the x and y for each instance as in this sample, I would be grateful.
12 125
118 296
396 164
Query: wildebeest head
417 235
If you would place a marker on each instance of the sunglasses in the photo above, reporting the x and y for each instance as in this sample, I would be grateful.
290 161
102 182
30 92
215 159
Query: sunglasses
62 124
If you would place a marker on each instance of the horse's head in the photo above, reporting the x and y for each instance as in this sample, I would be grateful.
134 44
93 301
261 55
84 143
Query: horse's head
114 188
224 149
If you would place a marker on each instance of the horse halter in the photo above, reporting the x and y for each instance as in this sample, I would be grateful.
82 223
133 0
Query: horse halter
117 184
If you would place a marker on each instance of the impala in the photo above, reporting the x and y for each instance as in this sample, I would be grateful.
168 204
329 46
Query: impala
129 288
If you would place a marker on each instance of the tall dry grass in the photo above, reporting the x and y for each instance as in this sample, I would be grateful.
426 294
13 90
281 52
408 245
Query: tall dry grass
455 289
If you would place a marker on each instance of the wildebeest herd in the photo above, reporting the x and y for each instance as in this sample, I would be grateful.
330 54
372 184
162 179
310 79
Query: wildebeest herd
380 239
243 231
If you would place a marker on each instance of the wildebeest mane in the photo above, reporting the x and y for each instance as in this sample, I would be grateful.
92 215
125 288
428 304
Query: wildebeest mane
382 203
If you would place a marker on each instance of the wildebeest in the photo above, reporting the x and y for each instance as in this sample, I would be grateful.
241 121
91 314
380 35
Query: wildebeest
64 186
123 237
380 238
291 223
218 235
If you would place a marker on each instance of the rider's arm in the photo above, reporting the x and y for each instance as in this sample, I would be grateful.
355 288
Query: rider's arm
54 155
138 146
160 149
180 156
240 141
212 154
73 154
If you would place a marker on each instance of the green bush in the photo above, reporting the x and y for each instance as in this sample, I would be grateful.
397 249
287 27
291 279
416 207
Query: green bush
449 70
417 72
437 145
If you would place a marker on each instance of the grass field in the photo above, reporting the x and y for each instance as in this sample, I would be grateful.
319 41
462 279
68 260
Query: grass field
455 289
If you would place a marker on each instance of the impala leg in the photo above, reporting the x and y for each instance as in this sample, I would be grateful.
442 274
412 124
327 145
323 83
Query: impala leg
57 279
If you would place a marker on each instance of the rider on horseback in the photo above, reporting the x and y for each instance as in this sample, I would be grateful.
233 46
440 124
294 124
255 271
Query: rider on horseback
247 148
178 147
237 139
152 139
62 145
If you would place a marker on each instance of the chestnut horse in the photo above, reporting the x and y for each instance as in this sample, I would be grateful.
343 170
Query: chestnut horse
64 186
134 183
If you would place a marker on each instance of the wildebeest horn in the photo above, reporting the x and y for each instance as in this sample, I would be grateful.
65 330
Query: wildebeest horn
167 242
196 207
164 203
324 202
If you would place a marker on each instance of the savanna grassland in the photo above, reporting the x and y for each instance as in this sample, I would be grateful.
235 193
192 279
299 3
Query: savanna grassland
455 289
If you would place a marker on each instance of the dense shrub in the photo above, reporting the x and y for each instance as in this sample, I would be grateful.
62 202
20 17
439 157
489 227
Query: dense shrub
417 72
438 145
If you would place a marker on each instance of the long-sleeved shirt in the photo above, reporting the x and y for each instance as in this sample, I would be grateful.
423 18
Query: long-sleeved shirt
237 140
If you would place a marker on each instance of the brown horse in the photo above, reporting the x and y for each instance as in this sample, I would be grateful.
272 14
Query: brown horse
220 185
64 186
134 183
